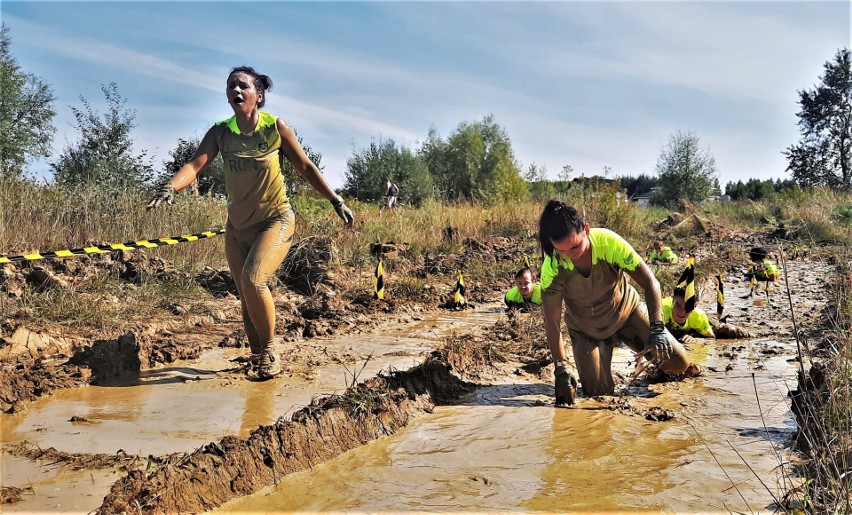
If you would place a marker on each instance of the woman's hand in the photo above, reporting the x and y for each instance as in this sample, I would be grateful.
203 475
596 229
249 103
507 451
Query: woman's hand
343 210
165 193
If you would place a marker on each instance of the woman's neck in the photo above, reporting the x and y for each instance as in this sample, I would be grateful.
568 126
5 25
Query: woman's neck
247 121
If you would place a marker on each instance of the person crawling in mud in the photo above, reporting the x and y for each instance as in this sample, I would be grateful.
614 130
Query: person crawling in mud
662 254
585 270
260 220
525 293
684 324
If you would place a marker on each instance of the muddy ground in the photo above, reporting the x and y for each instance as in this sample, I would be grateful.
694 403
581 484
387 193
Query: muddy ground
38 361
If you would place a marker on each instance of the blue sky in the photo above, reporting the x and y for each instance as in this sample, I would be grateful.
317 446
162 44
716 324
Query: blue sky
588 84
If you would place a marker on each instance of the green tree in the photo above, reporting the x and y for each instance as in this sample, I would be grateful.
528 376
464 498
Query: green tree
685 170
368 171
540 187
211 180
476 162
823 156
26 113
104 153
642 183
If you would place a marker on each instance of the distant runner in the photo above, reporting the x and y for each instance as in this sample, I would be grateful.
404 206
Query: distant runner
260 220
392 194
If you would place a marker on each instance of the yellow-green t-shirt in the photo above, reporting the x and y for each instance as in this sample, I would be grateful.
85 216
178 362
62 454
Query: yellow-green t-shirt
600 304
696 321
666 255
514 297
253 179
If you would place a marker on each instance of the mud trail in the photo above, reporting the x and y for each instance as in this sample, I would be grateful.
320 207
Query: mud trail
272 435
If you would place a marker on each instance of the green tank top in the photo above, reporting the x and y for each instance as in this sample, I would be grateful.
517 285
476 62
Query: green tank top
253 179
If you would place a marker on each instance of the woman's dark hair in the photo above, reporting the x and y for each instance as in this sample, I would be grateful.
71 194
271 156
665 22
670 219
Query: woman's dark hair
261 82
557 221
757 254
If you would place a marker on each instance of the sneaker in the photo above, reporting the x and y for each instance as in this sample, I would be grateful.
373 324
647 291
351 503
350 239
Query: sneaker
269 365
254 362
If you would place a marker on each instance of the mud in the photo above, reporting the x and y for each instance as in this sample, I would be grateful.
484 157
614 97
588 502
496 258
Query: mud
271 452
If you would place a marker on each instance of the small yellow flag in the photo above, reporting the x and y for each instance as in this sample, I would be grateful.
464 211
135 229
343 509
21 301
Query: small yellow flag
687 282
379 282
720 296
458 291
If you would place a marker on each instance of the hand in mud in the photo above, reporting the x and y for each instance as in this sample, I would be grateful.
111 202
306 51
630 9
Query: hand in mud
659 342
566 387
343 211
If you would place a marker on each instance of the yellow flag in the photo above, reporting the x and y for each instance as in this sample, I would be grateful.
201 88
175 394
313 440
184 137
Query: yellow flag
720 296
687 283
379 282
458 291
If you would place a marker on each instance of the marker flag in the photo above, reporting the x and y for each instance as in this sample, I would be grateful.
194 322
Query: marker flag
458 291
720 296
379 282
687 282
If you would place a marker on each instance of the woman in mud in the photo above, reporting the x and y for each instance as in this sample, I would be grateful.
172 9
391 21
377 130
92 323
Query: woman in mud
584 269
260 220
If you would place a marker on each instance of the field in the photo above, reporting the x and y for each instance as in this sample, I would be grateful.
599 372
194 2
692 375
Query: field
80 336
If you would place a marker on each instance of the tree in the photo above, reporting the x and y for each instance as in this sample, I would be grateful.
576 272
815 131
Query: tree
26 113
643 183
104 153
211 180
368 171
476 162
823 156
685 170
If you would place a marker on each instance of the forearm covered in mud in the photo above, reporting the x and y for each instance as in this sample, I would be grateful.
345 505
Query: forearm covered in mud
552 309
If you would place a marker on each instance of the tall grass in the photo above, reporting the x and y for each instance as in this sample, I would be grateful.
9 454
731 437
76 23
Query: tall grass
824 406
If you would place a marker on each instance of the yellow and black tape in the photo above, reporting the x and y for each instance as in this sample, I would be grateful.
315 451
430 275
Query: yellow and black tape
100 249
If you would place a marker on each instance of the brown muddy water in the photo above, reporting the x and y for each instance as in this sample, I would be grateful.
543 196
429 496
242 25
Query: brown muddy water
503 448
184 406
507 449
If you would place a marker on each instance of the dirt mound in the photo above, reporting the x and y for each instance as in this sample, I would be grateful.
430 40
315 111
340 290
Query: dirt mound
28 379
326 428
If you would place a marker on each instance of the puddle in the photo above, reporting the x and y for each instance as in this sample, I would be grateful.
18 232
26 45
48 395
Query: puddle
181 407
503 450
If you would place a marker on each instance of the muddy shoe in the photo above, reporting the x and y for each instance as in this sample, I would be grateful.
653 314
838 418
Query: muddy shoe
253 362
269 366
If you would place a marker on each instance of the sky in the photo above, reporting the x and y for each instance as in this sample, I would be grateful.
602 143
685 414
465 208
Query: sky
580 83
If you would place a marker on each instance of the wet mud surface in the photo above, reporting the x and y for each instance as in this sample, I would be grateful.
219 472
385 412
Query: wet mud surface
164 420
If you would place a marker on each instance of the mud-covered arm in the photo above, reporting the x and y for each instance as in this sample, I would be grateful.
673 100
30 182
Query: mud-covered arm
551 306
205 153
295 154
651 286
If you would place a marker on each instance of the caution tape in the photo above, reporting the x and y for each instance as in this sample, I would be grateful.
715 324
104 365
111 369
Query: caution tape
100 249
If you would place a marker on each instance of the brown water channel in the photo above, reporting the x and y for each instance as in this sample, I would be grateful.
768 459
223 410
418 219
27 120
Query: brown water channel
507 449
184 406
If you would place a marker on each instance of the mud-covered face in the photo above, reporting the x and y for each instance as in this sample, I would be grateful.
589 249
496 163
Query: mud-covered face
575 245
679 312
242 92
525 285
658 246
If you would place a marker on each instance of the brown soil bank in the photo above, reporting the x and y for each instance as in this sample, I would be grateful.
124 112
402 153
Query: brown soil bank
330 426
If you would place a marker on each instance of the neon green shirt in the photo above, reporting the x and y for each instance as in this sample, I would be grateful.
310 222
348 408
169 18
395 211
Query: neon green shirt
253 179
600 304
666 255
696 321
515 299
